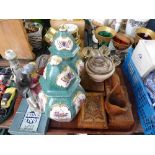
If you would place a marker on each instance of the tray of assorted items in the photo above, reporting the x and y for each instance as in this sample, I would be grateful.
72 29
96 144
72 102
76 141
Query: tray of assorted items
104 107
104 112
107 108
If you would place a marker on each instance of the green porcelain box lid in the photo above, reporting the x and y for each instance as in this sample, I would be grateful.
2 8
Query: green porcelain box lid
64 44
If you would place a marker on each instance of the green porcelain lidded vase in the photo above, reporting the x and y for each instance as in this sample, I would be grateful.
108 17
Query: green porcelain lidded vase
62 94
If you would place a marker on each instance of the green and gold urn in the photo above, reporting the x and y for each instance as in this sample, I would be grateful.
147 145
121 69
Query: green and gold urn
62 94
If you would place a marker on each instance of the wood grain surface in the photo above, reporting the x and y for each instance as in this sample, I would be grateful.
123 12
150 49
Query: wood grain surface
13 36
92 114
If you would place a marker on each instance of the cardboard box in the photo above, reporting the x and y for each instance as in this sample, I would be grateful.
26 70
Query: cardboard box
16 129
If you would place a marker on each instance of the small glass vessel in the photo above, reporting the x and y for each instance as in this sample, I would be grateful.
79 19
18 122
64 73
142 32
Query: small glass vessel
99 67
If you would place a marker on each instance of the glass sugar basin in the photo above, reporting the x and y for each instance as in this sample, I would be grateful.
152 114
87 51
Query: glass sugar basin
100 65
99 68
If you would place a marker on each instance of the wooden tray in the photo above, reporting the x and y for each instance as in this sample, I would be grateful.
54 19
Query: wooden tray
115 126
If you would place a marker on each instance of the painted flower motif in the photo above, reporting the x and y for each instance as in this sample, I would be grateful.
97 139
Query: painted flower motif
78 99
60 112
64 79
64 43
55 60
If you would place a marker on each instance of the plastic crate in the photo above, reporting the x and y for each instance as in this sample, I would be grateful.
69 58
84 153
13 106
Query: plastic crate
144 106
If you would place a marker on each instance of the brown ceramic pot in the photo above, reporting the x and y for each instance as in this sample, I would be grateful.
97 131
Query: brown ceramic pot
99 68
